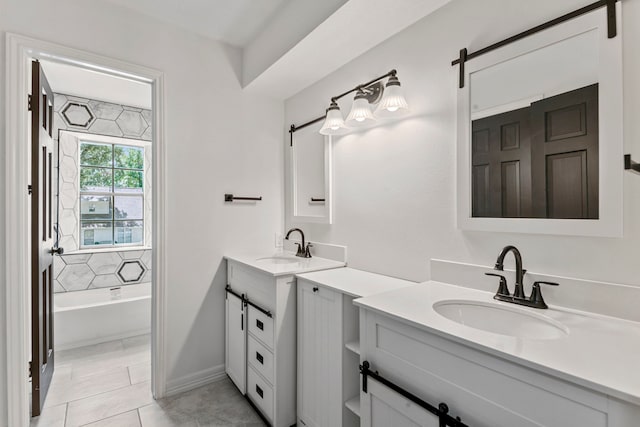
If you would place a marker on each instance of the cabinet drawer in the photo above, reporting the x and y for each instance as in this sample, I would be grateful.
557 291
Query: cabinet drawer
261 393
260 287
261 326
260 358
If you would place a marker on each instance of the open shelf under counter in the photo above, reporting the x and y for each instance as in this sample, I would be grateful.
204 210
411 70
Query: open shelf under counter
353 346
333 340
353 405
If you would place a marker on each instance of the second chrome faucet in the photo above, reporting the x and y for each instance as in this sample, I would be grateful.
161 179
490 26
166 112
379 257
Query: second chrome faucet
535 300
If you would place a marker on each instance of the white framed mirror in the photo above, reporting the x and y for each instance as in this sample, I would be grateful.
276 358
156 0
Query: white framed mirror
311 186
540 139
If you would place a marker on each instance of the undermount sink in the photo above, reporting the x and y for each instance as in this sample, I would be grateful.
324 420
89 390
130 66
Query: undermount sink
279 259
499 319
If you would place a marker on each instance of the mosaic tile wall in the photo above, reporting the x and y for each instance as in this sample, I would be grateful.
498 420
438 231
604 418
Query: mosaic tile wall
78 272
101 269
101 118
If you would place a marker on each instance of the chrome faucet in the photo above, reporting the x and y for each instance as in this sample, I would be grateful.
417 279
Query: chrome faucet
303 251
518 297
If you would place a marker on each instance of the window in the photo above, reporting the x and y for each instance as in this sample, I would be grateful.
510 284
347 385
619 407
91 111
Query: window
111 195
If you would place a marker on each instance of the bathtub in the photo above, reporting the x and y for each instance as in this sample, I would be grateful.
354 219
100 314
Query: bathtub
99 315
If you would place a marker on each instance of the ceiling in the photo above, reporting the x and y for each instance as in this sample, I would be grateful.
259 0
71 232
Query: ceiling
74 80
288 45
235 22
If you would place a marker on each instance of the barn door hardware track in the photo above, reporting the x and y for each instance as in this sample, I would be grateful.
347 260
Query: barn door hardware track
612 31
442 411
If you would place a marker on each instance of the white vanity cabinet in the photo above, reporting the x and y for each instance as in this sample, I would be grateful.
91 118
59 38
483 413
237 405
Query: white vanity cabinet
382 407
261 331
482 389
268 352
320 346
328 344
236 341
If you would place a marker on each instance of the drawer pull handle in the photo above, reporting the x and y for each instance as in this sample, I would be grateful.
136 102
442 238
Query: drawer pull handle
259 358
260 325
315 289
259 391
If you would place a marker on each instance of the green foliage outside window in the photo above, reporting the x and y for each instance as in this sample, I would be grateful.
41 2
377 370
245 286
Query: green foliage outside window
114 166
111 184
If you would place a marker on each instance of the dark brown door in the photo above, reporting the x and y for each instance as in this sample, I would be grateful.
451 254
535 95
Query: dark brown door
501 165
42 242
564 142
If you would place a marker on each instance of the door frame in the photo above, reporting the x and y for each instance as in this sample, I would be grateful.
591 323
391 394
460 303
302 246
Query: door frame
20 51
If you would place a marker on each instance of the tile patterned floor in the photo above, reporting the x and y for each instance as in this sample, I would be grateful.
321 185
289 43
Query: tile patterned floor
108 385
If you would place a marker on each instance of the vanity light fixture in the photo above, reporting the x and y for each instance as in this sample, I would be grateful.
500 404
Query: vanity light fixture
334 123
360 111
393 102
389 96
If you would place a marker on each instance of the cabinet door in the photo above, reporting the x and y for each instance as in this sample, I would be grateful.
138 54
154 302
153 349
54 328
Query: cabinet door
382 407
319 356
236 342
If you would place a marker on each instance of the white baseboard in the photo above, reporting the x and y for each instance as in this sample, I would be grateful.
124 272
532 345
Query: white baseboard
195 380
84 343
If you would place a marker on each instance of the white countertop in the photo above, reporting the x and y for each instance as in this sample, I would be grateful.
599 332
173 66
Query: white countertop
302 265
356 283
599 352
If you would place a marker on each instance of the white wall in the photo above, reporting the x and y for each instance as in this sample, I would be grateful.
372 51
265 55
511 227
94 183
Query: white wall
294 21
394 184
219 140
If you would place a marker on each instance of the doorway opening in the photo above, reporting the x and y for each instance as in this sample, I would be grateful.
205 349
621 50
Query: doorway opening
98 316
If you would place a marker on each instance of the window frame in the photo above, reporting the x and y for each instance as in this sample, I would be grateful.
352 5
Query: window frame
111 194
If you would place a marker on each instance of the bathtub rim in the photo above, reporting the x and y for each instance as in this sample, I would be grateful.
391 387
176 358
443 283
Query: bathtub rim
70 295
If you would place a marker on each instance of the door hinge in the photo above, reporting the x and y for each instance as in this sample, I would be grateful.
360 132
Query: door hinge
30 189
29 103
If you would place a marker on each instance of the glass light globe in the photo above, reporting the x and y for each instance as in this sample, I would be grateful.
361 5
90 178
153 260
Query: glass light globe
360 111
334 122
393 102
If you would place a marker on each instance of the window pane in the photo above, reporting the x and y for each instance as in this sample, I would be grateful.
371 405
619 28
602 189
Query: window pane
96 179
95 207
128 181
128 157
96 233
128 207
96 154
129 232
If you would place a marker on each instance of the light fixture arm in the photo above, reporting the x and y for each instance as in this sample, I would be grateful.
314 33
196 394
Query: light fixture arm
293 128
364 85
